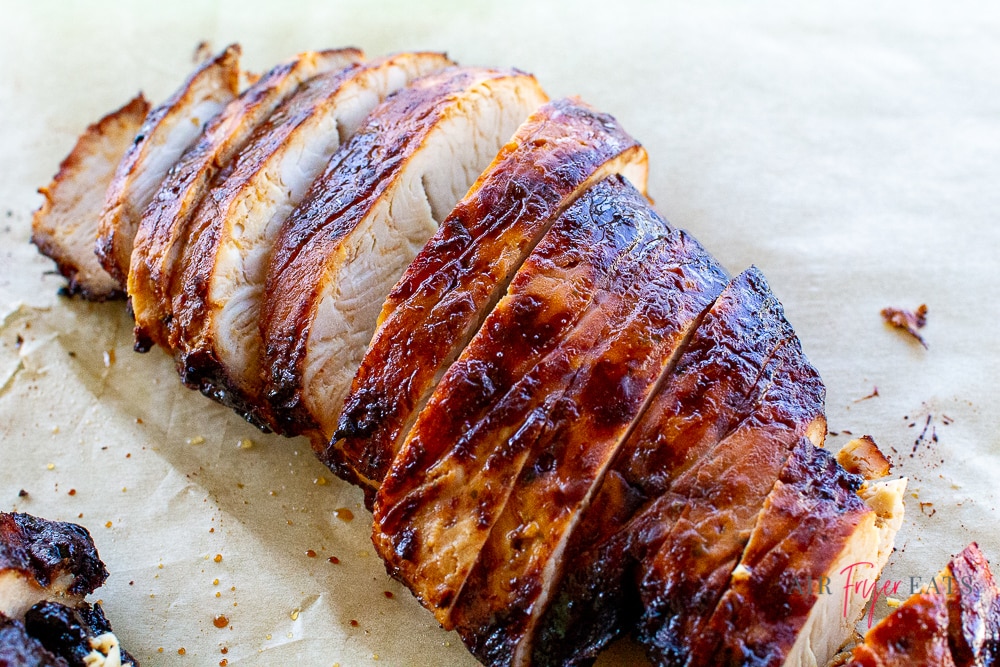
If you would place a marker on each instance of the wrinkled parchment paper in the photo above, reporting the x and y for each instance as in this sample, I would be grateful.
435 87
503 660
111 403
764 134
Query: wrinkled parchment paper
850 151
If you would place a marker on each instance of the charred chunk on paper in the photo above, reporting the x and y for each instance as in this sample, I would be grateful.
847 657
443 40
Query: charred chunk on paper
862 456
908 321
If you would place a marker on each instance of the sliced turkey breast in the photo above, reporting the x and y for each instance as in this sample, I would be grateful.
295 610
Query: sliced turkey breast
953 620
364 220
163 230
454 281
742 347
65 227
219 279
45 560
459 463
645 313
167 132
819 532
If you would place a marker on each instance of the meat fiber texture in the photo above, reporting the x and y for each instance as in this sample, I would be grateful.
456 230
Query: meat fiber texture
781 145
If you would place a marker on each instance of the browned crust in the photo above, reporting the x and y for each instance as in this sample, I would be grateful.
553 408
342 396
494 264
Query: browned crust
914 634
114 244
498 399
164 228
654 301
111 134
807 520
741 348
862 456
974 610
339 199
442 298
46 550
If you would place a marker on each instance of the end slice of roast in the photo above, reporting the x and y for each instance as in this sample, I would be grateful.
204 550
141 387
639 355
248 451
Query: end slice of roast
953 621
821 530
65 227
163 230
453 282
45 560
363 221
218 284
167 132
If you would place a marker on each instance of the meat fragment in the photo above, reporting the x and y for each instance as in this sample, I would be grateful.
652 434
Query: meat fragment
65 227
909 321
862 456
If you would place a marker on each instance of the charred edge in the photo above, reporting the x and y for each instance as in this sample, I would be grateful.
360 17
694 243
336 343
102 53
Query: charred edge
201 370
45 549
69 271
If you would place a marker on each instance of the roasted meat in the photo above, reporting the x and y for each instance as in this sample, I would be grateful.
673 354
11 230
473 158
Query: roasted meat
163 230
380 199
65 227
451 285
818 524
539 356
218 285
46 570
953 621
167 132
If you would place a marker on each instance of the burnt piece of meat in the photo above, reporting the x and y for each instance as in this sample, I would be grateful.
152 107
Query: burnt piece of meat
19 649
67 632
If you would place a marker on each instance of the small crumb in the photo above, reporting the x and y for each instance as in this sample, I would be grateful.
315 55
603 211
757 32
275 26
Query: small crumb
354 623
244 443
310 553
334 560
131 583
223 662
321 481
224 650
196 440
107 525
109 358
218 594
908 321
218 558
374 656
138 420
343 514
294 615
24 494
159 650
215 582
220 621
181 651
71 492
124 489
160 566
51 466
211 530
388 594
267 637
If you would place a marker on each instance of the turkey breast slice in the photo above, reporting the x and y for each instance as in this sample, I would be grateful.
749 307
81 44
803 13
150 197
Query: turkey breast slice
163 229
167 132
954 620
65 227
453 282
646 312
363 221
454 473
219 280
742 349
822 529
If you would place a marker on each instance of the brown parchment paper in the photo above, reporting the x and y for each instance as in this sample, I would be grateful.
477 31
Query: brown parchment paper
852 151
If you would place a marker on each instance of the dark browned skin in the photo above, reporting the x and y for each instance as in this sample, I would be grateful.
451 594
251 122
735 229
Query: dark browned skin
914 634
681 585
339 199
113 249
649 307
496 401
45 550
190 337
807 520
741 347
974 610
451 285
164 228
67 631
19 649
130 118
